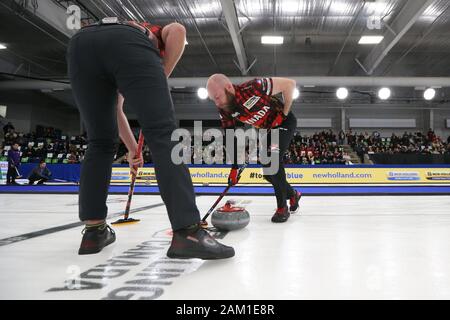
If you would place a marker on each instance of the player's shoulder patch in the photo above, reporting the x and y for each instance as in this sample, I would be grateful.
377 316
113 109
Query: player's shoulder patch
251 102
264 85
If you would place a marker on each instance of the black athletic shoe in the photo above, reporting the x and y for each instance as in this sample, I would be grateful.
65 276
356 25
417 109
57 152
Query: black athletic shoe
197 243
281 215
95 239
293 202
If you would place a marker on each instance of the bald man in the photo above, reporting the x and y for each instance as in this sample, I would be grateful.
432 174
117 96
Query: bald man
253 103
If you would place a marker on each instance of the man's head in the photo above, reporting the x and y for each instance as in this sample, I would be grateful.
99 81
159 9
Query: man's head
15 146
220 90
42 164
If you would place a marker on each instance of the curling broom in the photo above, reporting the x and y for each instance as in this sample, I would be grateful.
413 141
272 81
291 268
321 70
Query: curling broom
126 218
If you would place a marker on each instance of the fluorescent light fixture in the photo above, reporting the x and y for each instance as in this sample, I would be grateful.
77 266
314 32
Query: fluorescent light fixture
370 39
290 6
202 93
384 93
377 8
429 94
2 46
272 40
185 42
339 8
3 111
296 93
342 93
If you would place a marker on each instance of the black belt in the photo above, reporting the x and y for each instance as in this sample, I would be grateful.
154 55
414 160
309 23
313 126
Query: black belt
115 21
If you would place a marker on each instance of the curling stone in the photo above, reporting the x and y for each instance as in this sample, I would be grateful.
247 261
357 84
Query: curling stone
230 217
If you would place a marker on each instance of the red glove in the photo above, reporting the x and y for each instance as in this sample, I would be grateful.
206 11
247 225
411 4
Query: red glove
233 176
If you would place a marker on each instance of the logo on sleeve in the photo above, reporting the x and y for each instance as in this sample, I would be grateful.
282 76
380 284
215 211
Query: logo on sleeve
262 83
251 102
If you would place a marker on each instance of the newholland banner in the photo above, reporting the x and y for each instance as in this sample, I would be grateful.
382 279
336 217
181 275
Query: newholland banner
254 175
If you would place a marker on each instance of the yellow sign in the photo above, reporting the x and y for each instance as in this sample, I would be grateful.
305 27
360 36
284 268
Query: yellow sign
347 175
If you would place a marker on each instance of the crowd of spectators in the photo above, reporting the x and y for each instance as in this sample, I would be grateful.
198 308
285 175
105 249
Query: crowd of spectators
46 143
324 147
321 148
409 142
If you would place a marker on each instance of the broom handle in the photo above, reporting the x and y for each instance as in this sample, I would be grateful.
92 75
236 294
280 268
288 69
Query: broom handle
241 169
133 175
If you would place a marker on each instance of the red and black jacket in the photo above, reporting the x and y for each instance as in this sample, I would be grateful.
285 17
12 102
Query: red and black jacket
254 105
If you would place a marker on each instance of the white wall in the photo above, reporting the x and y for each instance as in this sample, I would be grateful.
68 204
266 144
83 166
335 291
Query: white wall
388 113
25 118
204 110
19 115
440 118
57 118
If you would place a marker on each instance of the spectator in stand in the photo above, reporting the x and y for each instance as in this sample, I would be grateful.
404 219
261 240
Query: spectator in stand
7 128
72 158
39 153
13 164
360 150
28 153
341 138
147 155
121 159
10 136
431 135
40 174
350 137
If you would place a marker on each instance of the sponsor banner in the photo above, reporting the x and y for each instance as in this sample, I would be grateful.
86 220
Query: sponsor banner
219 175
403 175
3 171
438 175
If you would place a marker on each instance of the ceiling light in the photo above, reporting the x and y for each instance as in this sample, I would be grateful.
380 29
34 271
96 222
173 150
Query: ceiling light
272 40
429 94
339 8
370 39
296 93
377 8
3 111
290 6
342 93
202 93
2 46
384 93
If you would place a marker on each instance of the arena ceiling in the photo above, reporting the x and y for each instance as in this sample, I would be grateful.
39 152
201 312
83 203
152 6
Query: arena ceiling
320 36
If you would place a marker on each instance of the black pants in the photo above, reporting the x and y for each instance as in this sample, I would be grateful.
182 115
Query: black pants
11 175
283 190
103 60
31 181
